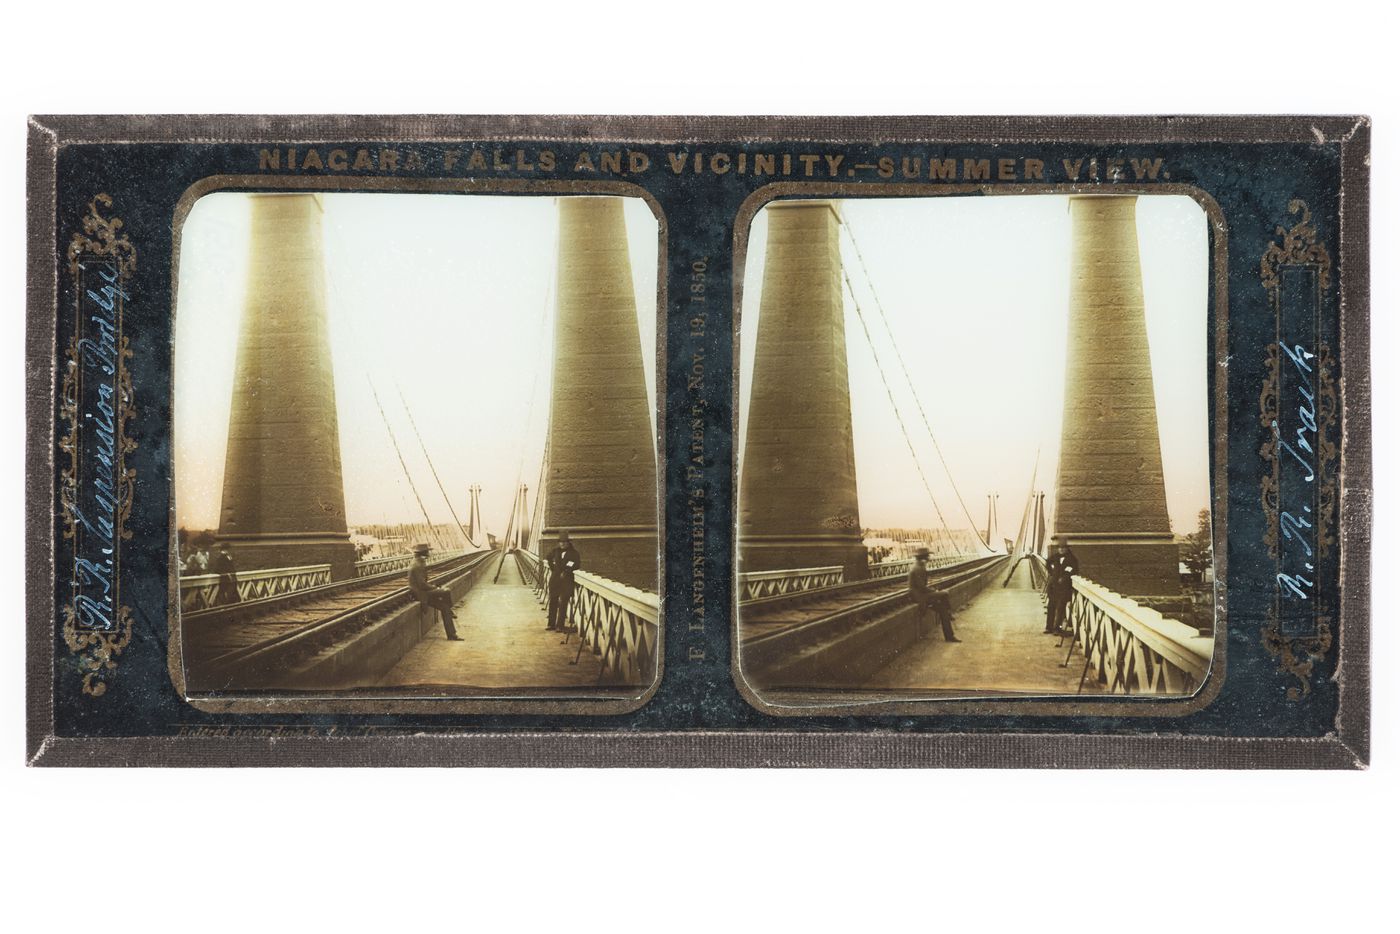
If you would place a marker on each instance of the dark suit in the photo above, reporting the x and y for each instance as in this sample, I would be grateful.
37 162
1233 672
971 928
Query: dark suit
433 597
1059 587
928 600
563 560
222 565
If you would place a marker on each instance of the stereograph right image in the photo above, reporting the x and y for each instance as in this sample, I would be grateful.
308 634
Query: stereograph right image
974 449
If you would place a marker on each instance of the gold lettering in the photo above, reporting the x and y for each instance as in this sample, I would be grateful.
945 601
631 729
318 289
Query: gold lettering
677 160
312 160
764 163
610 162
584 163
338 160
547 160
719 163
449 159
637 162
977 168
1006 170
1034 168
362 160
1146 168
943 168
1072 169
269 159
388 160
476 162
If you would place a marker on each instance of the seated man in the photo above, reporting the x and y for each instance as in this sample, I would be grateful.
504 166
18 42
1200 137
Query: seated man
928 599
428 595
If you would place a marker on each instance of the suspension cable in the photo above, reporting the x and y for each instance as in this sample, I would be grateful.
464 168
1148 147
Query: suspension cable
447 499
432 532
889 392
860 258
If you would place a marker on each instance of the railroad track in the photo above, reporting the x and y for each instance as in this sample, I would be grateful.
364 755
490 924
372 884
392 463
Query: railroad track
259 638
783 630
766 616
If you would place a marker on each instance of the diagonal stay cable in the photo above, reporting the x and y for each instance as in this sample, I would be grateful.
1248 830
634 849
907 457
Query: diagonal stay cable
447 499
860 258
879 367
432 532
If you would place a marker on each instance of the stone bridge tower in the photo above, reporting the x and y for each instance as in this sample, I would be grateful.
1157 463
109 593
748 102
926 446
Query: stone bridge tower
283 498
601 484
1111 501
797 499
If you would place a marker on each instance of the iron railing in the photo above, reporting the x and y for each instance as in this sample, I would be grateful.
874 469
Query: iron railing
758 584
372 566
201 591
619 624
278 654
1133 649
899 567
533 572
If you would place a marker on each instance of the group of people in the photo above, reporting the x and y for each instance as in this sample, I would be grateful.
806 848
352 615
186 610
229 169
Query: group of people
1062 566
561 562
877 554
198 561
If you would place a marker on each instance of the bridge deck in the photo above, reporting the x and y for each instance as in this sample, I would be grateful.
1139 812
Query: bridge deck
504 645
1004 650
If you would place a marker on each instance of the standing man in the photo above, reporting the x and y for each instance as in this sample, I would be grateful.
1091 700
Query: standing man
929 600
1059 584
222 565
433 597
563 561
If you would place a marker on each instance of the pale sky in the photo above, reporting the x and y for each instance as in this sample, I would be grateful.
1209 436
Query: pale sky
440 296
976 290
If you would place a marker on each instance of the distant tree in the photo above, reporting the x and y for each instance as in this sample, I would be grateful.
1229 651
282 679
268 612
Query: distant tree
1197 554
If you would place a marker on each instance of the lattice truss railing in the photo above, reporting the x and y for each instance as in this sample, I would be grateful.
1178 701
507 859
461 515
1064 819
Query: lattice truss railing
1133 649
200 591
618 624
372 566
757 584
898 568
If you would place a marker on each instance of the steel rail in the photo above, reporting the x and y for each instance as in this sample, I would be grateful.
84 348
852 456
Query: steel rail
237 611
798 597
292 639
801 632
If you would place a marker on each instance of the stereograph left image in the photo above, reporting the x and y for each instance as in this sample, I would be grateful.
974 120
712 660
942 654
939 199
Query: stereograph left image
415 445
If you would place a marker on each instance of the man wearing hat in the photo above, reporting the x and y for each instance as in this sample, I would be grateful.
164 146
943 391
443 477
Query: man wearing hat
1059 584
433 597
563 560
222 565
926 599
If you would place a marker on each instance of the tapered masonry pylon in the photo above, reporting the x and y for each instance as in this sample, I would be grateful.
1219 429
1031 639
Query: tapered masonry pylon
283 497
797 503
601 482
1111 502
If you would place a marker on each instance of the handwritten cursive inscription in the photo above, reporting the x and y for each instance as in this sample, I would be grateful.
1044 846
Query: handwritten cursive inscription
96 499
1295 435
